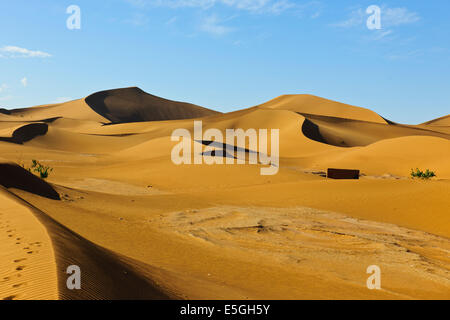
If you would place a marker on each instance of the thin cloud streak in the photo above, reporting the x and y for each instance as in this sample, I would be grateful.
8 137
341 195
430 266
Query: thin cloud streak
253 6
18 52
212 25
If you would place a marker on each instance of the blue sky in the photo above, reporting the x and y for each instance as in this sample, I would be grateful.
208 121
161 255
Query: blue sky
231 54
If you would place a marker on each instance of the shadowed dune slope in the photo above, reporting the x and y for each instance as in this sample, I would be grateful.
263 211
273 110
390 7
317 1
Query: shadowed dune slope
23 133
354 133
14 176
134 105
104 274
5 111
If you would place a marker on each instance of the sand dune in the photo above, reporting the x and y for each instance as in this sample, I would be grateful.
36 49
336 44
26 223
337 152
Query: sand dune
27 264
443 121
77 109
354 133
397 156
229 252
24 133
14 176
141 227
5 111
106 275
135 105
309 104
43 263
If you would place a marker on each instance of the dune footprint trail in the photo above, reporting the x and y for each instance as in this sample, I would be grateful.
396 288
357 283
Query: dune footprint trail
36 252
27 265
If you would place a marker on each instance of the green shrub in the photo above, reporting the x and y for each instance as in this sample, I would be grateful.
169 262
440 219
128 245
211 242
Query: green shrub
422 175
43 171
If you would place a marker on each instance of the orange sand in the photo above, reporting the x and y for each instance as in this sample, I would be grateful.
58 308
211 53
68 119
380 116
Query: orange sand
141 227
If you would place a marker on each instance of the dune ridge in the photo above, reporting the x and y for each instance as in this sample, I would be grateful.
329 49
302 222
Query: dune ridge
442 121
76 109
26 133
310 104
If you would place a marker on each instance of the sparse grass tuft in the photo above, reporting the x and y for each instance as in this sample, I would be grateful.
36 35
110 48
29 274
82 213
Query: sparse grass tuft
43 171
422 175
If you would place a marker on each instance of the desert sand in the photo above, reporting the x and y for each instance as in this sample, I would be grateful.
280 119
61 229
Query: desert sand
141 227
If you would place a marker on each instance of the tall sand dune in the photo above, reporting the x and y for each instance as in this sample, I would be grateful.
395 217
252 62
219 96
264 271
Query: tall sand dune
112 106
309 104
135 105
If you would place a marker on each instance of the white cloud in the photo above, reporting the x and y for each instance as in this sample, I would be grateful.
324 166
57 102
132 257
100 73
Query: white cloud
24 81
212 25
280 6
3 87
18 52
250 5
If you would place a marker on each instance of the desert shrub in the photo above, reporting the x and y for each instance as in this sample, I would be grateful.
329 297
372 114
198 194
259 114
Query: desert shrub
421 174
43 171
